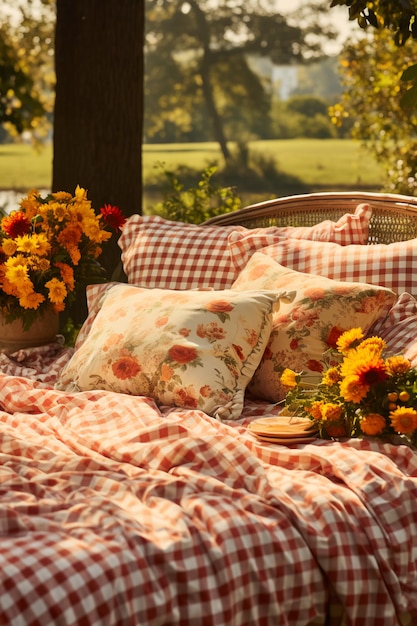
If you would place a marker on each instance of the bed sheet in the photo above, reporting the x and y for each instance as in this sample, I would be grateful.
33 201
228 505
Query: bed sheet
116 511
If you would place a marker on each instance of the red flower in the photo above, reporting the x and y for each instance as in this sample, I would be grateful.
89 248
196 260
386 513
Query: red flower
334 335
294 344
113 216
125 367
239 351
16 224
182 354
314 366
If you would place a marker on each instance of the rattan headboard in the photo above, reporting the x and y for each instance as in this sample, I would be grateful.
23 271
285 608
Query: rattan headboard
394 217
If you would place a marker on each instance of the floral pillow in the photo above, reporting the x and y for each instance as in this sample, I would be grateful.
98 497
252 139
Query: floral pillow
191 349
310 313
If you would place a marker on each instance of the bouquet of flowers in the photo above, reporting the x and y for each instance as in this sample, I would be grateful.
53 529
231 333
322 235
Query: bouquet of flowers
361 393
48 250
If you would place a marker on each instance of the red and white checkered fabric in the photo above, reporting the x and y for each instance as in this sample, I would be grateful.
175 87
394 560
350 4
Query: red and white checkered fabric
174 255
399 328
391 265
349 229
116 512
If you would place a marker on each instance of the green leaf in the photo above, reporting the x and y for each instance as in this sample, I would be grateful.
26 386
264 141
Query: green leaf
410 73
409 99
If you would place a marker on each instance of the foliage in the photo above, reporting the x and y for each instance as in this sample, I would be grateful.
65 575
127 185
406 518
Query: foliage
371 69
197 65
49 250
362 392
400 19
198 203
27 72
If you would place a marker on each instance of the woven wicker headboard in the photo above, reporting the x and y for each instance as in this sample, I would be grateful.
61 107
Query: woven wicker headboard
394 217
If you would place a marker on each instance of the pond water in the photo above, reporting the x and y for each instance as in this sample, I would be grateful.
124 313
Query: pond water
9 199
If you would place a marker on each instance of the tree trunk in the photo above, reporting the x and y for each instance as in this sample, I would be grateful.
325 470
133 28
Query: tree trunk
99 104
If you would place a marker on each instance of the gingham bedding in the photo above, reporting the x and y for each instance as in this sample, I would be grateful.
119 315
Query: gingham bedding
116 512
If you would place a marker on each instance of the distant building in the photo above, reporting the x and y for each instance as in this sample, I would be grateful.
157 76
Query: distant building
320 79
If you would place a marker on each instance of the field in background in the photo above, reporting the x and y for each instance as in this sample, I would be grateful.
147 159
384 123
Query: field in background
313 164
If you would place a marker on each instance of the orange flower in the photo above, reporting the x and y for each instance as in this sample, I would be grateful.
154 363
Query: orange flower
125 367
182 354
372 424
219 306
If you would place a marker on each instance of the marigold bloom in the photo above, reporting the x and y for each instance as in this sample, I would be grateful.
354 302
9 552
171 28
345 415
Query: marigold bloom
289 378
331 377
374 344
315 410
372 424
331 411
397 365
404 420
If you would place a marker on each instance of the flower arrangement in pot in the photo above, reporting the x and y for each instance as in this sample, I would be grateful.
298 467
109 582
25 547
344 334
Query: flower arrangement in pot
49 250
362 393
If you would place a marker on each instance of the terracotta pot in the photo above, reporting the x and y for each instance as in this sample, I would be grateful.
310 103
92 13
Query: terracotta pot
43 330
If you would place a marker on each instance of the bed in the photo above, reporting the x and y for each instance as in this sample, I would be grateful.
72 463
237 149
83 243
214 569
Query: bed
135 493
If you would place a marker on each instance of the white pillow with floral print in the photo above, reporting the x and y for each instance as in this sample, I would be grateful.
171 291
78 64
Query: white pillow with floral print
310 314
191 349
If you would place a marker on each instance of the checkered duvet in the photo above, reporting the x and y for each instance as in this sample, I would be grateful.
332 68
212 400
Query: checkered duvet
116 512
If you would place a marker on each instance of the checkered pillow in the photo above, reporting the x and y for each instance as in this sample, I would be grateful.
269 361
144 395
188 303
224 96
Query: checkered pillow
159 253
391 265
175 255
399 328
349 229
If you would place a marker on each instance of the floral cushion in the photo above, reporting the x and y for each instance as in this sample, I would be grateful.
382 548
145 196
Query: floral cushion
310 314
192 349
388 265
174 255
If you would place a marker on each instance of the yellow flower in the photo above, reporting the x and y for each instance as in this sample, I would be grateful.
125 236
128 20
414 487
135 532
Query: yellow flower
372 424
289 378
9 247
331 377
374 344
57 290
404 420
41 245
349 339
397 365
352 390
315 410
33 244
331 411
31 300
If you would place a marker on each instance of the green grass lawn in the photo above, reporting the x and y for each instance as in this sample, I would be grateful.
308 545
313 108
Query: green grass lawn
317 164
